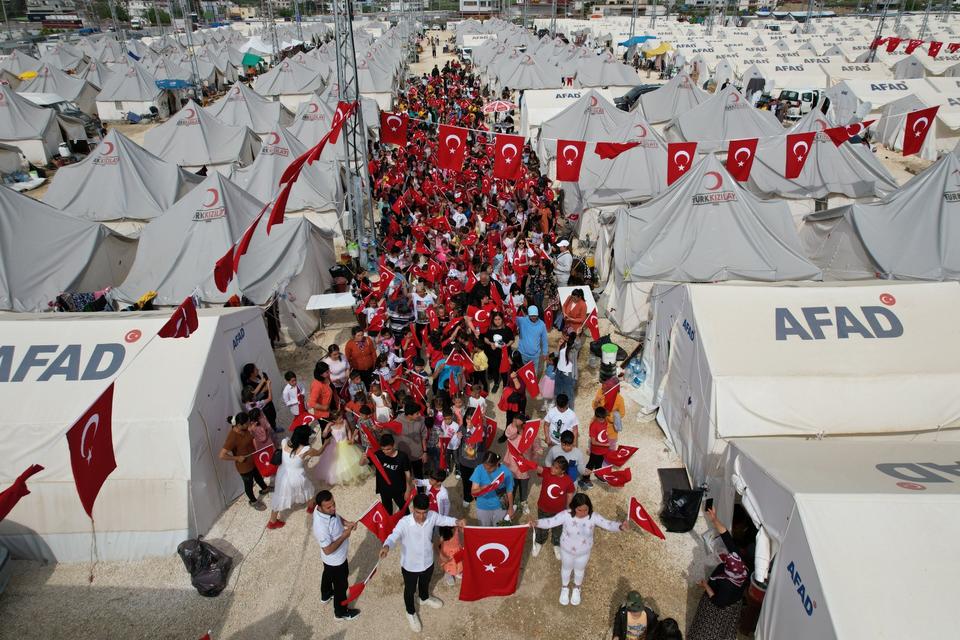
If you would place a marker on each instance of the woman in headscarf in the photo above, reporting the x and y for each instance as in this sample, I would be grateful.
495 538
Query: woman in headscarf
719 610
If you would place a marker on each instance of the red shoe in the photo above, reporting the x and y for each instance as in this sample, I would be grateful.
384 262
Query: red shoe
311 508
276 524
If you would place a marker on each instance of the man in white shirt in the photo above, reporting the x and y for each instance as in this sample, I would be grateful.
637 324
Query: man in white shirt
415 532
560 418
332 533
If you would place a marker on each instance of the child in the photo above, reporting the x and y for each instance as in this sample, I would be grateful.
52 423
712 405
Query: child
365 425
599 446
476 399
260 428
450 432
556 490
340 464
521 479
293 394
439 498
480 364
549 380
573 455
448 544
355 385
459 411
381 403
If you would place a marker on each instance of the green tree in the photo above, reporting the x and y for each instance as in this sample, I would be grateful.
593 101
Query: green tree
103 10
157 17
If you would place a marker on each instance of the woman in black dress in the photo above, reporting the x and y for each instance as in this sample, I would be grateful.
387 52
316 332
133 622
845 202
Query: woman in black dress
498 336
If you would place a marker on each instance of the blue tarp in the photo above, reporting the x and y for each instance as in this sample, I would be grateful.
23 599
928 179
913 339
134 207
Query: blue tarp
173 84
636 40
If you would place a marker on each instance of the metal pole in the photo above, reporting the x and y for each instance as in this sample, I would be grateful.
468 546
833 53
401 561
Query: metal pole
653 17
188 32
6 20
878 34
808 26
896 25
633 21
553 20
296 9
926 18
116 23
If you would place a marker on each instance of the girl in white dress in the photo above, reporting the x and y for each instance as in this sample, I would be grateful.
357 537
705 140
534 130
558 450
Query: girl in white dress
381 404
291 485
576 541
340 463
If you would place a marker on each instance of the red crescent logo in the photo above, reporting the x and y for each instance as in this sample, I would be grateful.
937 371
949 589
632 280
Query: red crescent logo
107 151
643 130
313 107
888 299
912 486
191 111
216 198
593 101
276 138
734 97
133 335
822 123
719 179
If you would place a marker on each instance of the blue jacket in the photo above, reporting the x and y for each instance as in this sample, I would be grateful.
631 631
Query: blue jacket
533 338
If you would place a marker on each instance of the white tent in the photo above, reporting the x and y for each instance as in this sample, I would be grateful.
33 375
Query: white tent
540 105
242 106
676 97
833 512
32 129
52 80
131 90
289 82
169 484
726 115
734 360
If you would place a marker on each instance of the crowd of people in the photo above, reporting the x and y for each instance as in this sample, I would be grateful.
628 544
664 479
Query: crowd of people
467 295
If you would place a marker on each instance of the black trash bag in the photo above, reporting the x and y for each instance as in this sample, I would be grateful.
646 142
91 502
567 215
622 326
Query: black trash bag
681 510
596 345
209 568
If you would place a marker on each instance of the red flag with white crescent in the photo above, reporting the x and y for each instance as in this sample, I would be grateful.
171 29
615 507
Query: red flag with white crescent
390 425
182 323
90 441
491 430
508 157
241 247
798 150
393 128
912 45
615 478
491 561
10 496
523 465
680 157
343 111
893 43
528 375
530 430
610 397
493 486
740 158
480 317
223 271
610 150
279 207
593 324
261 459
476 436
934 49
839 135
916 128
569 159
643 520
619 456
452 148
432 318
378 521
354 590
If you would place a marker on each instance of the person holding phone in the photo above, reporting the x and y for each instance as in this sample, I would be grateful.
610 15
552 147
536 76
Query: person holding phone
719 610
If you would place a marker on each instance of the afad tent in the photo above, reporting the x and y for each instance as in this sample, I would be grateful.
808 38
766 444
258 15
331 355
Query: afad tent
736 360
817 503
910 235
289 82
317 193
540 105
193 138
47 252
119 181
706 228
32 129
51 80
244 107
169 484
850 170
178 250
131 90
725 116
672 99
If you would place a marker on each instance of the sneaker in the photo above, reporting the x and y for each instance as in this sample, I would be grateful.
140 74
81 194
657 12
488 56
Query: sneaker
433 602
575 596
265 491
535 551
556 552
449 580
276 524
414 621
325 600
349 614
585 484
253 502
564 596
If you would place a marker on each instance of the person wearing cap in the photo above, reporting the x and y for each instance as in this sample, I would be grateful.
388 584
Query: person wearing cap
634 620
563 263
533 338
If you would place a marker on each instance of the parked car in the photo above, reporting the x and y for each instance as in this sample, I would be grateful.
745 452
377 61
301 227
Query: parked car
800 101
627 100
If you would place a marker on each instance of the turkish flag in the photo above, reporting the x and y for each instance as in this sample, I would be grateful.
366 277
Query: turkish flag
480 317
471 280
740 158
530 430
375 461
458 359
432 318
90 441
391 425
839 135
915 130
182 323
798 150
393 128
619 456
569 159
354 591
491 561
10 496
344 109
893 43
934 49
223 271
952 47
292 172
377 321
453 147
378 521
610 397
610 150
640 516
593 324
523 465
261 459
491 432
493 486
241 247
476 436
528 375
912 44
507 157
877 42
504 360
280 206
679 159
616 478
